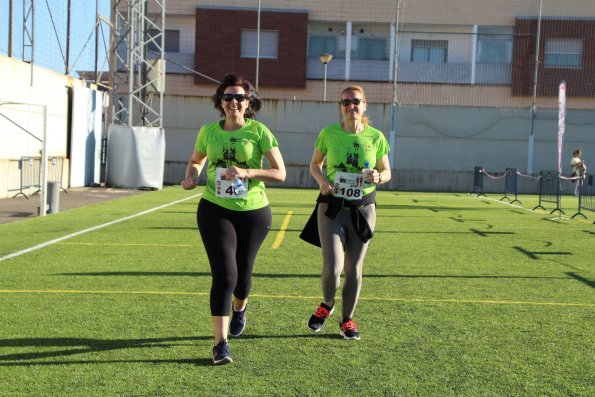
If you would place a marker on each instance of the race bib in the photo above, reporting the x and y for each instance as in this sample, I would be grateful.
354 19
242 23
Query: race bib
227 189
349 186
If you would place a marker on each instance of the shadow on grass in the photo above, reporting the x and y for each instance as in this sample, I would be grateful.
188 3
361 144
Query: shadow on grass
536 254
75 346
83 345
590 283
303 275
487 234
433 208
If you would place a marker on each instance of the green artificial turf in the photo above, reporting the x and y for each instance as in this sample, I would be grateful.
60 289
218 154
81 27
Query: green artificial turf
462 296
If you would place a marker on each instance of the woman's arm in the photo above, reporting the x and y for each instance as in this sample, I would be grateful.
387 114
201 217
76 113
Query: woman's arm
193 169
384 174
316 170
276 172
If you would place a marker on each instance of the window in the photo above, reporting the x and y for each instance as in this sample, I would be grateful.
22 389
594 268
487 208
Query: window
494 44
269 43
318 45
563 53
433 51
172 40
374 49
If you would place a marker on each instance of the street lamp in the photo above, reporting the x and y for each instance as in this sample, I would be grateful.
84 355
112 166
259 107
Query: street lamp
325 58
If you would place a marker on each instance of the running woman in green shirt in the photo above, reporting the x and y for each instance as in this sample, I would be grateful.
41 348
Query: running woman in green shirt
356 162
233 214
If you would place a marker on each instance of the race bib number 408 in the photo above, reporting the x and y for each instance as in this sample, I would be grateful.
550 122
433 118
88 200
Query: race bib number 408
349 186
225 188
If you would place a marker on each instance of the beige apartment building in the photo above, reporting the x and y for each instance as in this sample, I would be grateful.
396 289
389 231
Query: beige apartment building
457 52
465 78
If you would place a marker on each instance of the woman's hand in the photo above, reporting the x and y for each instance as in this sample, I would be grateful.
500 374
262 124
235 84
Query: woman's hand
326 189
188 183
234 172
193 170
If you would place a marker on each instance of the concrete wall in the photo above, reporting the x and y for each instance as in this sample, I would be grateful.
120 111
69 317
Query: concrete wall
437 147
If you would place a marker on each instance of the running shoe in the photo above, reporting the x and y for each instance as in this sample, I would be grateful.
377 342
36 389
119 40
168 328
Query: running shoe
221 353
316 322
238 322
349 330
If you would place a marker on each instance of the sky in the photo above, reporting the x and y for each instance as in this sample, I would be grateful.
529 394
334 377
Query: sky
50 31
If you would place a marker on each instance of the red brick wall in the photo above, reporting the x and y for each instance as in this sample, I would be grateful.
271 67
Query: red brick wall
580 82
218 40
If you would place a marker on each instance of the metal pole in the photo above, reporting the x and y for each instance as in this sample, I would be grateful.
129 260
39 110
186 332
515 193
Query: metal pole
32 39
143 36
10 17
257 45
44 165
67 60
96 40
393 124
324 92
132 32
533 110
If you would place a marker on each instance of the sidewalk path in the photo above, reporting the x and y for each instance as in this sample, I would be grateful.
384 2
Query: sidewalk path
14 209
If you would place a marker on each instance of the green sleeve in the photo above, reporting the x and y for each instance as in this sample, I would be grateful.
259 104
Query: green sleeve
321 142
383 147
267 139
201 141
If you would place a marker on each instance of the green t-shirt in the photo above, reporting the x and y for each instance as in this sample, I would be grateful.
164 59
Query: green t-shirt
347 152
243 148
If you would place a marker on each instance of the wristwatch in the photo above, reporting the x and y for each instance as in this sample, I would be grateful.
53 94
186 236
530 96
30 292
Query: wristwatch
379 178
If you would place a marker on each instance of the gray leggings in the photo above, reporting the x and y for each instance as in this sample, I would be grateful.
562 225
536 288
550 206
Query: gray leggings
342 250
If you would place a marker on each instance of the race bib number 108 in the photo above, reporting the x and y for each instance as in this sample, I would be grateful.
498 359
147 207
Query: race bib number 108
348 185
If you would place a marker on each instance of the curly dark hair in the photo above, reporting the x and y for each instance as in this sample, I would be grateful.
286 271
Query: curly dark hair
233 80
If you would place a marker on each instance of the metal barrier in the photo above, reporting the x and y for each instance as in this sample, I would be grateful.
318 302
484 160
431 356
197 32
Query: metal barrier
478 181
586 195
510 186
29 175
549 190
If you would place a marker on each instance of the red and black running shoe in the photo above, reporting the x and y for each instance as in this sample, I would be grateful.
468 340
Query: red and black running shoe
316 322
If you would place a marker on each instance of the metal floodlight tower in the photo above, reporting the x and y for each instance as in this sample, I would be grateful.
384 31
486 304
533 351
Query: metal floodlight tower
138 62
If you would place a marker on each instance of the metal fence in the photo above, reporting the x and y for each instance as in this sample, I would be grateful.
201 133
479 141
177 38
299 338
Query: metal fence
586 200
30 174
478 181
549 190
510 186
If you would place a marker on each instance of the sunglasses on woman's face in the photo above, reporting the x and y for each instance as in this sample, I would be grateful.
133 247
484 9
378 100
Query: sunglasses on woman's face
237 97
355 101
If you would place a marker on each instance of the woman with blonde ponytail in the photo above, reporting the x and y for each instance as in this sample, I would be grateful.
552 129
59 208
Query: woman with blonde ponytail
345 215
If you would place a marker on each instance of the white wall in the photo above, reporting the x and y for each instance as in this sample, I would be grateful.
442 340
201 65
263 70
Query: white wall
30 87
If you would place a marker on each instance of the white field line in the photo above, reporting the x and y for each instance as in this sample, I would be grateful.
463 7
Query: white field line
91 229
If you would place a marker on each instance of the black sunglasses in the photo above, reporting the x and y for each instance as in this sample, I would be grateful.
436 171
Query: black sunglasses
237 97
355 101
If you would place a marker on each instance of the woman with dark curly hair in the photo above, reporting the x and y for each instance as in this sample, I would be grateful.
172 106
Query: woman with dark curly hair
233 214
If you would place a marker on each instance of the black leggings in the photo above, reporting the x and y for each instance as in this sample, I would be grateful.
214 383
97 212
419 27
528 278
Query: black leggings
232 240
